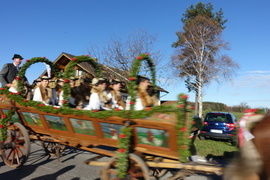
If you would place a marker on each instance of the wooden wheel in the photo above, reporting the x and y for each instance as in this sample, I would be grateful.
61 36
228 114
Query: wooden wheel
53 148
158 173
180 174
16 148
137 170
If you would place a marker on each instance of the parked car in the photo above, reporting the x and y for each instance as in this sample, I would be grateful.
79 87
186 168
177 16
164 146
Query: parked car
219 125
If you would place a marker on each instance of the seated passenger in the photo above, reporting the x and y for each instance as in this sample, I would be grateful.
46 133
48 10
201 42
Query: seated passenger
59 91
54 99
42 93
72 99
79 93
97 98
143 99
115 95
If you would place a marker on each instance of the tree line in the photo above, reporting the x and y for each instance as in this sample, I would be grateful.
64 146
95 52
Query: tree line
217 106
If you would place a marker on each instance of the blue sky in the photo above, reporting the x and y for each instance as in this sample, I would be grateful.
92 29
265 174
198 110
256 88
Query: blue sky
47 28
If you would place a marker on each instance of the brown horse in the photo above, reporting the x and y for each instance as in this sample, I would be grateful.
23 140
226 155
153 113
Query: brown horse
253 162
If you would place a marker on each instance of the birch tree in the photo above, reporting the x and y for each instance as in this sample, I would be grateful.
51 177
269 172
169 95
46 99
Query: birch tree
198 60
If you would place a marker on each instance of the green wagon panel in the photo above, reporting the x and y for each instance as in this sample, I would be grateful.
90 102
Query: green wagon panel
83 126
56 122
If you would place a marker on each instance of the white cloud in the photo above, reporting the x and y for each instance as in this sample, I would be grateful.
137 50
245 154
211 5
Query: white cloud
257 72
253 79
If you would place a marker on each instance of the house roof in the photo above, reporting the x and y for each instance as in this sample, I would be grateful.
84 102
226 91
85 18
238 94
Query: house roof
109 72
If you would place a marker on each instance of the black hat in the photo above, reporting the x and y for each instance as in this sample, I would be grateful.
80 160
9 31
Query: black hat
17 56
115 81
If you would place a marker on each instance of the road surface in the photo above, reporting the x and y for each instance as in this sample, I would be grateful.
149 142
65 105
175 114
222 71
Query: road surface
71 166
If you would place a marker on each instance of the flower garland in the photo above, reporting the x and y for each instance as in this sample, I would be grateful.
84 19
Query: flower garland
183 128
28 63
69 72
95 114
4 119
135 68
123 151
124 143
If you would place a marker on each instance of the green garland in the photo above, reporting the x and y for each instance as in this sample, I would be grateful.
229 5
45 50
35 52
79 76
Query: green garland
135 68
183 128
69 72
123 150
4 119
28 63
94 114
124 143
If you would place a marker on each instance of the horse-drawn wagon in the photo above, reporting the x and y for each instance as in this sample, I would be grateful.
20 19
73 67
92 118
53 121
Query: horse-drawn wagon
142 144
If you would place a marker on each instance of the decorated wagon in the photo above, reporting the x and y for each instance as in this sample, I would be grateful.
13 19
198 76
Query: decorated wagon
143 144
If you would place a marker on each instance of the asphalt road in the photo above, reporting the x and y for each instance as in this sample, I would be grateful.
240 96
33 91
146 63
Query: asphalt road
71 166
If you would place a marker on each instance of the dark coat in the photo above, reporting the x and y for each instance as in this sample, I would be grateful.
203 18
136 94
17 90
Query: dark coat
8 73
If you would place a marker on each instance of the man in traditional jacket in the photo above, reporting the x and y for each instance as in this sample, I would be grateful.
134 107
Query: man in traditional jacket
10 70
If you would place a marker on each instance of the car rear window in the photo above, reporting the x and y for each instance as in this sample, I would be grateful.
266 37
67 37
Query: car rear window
218 117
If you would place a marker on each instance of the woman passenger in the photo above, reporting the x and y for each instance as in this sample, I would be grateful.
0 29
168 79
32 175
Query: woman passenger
42 93
115 95
143 99
59 91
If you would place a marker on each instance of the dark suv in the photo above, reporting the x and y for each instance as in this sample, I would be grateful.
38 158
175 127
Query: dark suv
219 125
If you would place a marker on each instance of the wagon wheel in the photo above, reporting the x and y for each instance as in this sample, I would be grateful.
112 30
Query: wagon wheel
137 170
158 173
16 148
53 148
180 174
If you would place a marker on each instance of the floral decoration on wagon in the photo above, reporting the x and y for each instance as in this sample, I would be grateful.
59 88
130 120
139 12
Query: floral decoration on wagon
126 131
28 63
183 128
4 119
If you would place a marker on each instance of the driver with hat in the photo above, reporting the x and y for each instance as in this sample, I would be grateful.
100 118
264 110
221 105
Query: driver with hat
10 71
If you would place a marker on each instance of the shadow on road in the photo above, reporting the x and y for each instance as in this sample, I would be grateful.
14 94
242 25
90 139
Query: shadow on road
24 171
53 176
36 158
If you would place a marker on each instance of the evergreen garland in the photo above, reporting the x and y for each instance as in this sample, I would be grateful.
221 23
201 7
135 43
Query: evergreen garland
29 62
4 119
95 114
124 143
123 151
135 68
70 71
183 128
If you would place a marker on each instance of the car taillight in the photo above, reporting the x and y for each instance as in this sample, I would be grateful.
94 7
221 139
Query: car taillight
231 126
205 123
